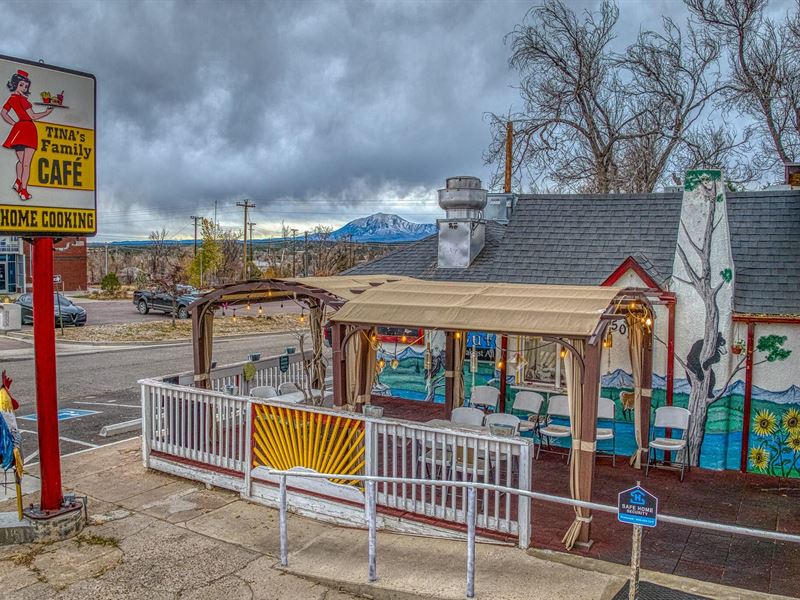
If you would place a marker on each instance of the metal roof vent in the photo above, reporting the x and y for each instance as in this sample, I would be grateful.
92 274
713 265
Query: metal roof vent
462 233
463 198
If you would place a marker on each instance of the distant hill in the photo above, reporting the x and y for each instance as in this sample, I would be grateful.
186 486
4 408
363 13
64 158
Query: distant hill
379 228
385 228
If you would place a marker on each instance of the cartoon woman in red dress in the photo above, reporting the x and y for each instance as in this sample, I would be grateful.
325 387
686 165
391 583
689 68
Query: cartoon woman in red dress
23 138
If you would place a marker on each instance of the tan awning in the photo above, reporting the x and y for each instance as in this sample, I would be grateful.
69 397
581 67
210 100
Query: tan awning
346 287
563 310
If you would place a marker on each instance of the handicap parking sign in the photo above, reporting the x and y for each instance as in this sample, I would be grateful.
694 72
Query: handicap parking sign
637 506
65 414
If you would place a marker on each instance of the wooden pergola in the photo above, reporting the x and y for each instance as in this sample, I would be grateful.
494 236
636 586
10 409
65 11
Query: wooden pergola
577 317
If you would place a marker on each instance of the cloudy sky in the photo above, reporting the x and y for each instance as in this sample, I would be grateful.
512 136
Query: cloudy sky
319 112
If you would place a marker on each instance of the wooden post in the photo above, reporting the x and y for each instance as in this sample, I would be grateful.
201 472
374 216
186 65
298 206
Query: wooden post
501 406
449 367
647 390
201 338
591 392
339 364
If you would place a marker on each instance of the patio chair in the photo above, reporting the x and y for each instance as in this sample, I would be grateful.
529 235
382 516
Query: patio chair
605 412
288 387
557 406
531 404
484 397
465 415
503 419
670 417
263 391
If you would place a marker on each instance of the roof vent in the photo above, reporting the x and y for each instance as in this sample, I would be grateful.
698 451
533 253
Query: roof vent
791 174
463 198
462 233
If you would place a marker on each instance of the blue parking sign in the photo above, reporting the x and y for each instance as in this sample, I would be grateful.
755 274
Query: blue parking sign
637 506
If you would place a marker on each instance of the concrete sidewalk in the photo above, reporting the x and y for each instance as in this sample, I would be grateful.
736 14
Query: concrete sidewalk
156 536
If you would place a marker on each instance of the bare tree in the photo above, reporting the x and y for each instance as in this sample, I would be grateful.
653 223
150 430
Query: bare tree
763 83
166 268
595 121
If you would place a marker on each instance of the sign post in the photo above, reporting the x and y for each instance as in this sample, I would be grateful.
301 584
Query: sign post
639 508
47 190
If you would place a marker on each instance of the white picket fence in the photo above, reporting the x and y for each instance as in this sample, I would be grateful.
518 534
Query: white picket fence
212 431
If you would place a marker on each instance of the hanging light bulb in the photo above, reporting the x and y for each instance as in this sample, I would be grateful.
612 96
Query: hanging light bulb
302 315
395 363
248 304
373 338
381 364
499 364
458 335
648 321
404 338
563 353
260 310
234 315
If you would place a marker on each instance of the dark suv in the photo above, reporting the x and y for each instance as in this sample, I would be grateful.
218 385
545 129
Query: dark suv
65 310
146 300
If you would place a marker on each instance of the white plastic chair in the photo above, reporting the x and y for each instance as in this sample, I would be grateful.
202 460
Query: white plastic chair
485 397
557 406
503 419
670 417
606 412
531 404
263 391
288 387
465 415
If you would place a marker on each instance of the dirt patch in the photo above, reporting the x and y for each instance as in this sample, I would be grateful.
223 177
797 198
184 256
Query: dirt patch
156 331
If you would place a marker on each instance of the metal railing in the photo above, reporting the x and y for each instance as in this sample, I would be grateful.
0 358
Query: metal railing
472 487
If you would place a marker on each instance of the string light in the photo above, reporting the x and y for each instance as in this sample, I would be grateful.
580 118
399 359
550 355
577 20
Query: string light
404 338
234 315
381 364
248 304
563 353
302 315
608 342
648 321
395 363
499 364
260 310
458 335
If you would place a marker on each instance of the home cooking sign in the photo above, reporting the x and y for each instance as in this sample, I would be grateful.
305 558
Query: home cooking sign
47 158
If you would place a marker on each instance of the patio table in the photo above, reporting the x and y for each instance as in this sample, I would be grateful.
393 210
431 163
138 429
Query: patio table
296 397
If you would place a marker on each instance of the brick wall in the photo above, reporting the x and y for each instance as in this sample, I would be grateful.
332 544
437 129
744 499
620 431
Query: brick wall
69 261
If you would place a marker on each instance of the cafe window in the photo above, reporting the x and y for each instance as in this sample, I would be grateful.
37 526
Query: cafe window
538 362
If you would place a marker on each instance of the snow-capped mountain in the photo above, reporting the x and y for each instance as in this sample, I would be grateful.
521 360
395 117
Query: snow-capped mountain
382 227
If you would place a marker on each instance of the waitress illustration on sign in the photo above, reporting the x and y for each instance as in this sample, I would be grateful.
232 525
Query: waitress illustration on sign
23 138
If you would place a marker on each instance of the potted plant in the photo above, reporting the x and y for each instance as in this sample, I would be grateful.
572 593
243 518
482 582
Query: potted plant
738 347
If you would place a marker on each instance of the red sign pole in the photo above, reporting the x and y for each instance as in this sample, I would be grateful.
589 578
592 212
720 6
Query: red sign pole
44 344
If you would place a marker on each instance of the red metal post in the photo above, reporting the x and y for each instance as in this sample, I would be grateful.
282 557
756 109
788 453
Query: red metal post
670 365
748 394
44 344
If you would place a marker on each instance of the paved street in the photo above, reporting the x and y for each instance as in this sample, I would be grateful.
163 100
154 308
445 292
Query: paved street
104 385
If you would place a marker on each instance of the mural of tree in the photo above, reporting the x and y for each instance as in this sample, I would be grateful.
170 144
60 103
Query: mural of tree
708 350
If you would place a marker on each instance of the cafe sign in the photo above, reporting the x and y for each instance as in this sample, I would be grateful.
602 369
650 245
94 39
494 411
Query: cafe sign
47 158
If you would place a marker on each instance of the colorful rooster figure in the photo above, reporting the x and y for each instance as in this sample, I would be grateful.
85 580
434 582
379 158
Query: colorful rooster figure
10 438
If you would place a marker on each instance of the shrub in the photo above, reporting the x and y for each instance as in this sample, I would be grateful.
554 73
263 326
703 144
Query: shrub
110 284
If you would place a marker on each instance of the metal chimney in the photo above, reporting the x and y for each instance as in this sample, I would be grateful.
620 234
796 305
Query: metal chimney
462 233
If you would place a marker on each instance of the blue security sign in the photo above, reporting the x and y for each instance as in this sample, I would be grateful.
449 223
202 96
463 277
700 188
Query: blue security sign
65 414
637 506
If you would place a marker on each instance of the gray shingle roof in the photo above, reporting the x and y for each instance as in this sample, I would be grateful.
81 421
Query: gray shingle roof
765 239
582 239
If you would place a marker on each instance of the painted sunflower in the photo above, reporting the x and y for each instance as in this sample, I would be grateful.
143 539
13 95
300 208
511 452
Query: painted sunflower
794 442
764 424
791 421
759 458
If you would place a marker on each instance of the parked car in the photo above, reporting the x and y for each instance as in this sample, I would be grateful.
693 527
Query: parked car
147 300
70 313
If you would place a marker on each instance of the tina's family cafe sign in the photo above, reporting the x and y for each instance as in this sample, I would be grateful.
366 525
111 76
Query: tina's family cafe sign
47 158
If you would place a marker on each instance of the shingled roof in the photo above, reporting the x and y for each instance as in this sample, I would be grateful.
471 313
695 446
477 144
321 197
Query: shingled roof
765 239
581 239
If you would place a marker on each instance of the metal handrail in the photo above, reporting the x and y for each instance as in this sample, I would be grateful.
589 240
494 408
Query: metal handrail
472 486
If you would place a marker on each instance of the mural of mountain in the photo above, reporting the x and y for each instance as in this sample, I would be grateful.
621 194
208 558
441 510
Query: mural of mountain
382 227
617 379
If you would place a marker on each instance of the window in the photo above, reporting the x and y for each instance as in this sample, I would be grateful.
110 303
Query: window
538 361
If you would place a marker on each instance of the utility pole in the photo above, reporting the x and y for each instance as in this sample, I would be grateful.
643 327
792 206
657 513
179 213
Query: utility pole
251 225
305 254
195 219
245 205
106 258
216 224
294 250
509 154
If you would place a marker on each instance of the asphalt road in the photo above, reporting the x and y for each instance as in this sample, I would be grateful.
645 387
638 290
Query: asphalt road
105 385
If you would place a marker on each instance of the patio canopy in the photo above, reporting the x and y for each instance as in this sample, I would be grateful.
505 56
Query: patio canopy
569 311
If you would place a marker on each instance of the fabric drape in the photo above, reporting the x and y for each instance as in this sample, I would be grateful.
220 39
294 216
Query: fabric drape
636 351
361 356
316 319
207 324
458 368
574 373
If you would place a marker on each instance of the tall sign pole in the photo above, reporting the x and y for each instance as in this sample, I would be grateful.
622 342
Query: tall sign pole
49 155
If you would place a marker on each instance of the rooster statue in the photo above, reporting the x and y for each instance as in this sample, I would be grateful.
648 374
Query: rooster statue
10 438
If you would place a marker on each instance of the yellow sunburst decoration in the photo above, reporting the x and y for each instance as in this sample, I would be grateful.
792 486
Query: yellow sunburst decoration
759 458
791 421
764 424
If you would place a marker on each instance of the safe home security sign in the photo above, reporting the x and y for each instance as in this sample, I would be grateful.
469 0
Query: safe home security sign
637 506
47 158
